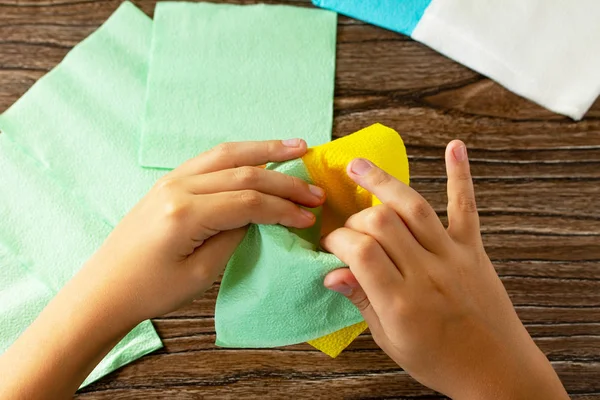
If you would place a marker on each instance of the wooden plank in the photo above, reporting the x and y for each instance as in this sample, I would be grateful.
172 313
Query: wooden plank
566 342
256 373
557 197
191 327
423 126
529 314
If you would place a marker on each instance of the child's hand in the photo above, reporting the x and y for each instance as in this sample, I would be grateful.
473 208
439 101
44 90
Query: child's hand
168 250
173 245
431 296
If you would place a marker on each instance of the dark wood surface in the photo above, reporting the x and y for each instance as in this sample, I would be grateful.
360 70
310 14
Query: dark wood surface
537 177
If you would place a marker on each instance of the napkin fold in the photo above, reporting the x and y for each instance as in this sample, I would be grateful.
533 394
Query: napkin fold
221 72
272 292
64 177
542 50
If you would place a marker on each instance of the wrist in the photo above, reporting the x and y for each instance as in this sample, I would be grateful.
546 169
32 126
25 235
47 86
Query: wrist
100 296
78 328
495 365
521 372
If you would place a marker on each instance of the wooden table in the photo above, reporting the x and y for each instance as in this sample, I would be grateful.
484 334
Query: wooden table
537 179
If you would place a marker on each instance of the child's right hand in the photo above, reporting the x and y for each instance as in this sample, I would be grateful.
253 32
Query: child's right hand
431 296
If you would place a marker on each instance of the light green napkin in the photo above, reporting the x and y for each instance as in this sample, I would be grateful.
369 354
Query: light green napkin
225 72
61 199
22 296
272 292
82 120
45 237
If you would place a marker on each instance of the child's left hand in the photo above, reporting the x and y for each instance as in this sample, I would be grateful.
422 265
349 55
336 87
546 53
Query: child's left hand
167 251
174 244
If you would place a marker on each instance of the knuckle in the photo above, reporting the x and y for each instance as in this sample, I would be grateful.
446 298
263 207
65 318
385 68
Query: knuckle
176 208
295 183
269 148
166 185
251 198
379 217
466 202
361 301
464 176
419 209
223 149
171 199
247 175
365 250
381 177
400 307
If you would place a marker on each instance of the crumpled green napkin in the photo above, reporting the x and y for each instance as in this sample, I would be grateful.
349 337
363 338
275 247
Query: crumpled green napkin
222 72
67 156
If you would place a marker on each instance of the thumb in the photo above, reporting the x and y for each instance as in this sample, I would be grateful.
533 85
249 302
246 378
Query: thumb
209 260
344 282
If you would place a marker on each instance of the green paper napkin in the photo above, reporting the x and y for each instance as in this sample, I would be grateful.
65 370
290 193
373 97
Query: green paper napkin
272 292
224 72
22 296
52 207
82 120
45 237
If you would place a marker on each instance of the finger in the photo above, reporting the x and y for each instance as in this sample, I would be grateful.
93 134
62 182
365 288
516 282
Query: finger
209 260
384 225
368 262
414 210
242 208
262 180
344 282
463 219
237 154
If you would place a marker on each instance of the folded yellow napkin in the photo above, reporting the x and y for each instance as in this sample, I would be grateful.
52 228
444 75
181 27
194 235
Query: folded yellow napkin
326 165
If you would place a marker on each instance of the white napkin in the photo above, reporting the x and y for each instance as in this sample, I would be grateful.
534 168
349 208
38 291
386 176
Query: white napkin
545 50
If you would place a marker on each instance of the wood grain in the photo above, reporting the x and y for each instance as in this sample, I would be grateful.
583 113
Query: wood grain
537 176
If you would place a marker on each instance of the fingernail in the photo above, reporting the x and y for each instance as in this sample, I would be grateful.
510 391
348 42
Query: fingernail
341 288
460 153
291 142
360 166
307 214
317 191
